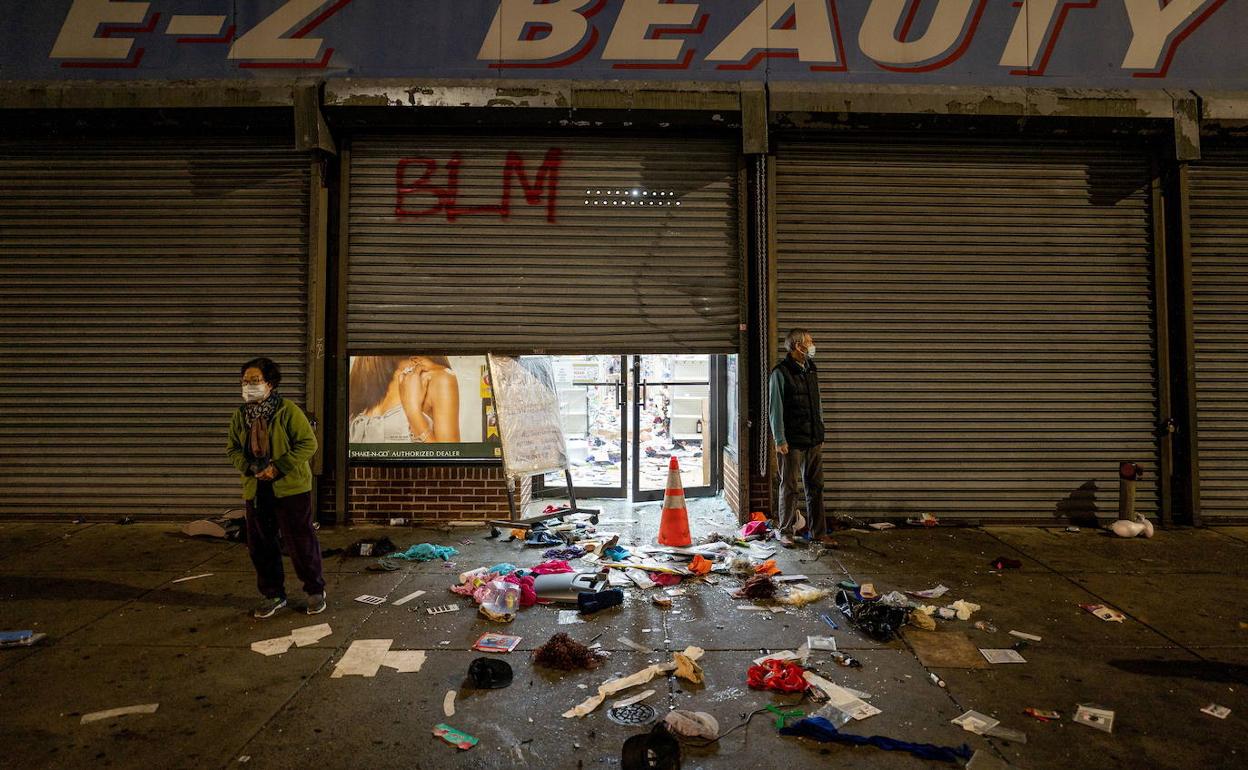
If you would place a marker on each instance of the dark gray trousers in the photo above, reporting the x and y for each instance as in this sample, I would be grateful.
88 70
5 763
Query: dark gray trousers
805 465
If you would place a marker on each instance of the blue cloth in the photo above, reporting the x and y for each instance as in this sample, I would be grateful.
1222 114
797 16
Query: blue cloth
565 554
424 552
616 553
503 569
820 729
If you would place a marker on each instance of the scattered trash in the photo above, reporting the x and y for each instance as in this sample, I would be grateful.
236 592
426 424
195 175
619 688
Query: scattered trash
383 546
655 750
661 601
1073 529
455 737
1214 710
975 722
828 619
931 593
985 626
821 643
841 698
589 603
492 642
567 586
1028 637
632 715
757 587
882 525
566 654
125 520
845 661
878 621
423 552
924 520
1002 656
1044 715
923 620
946 649
613 686
700 566
448 704
365 657
1100 718
373 600
384 565
778 675
301 637
498 600
489 673
638 698
1005 562
783 716
936 680
1104 612
820 729
867 591
100 716
692 724
192 577
398 522
443 609
635 645
24 638
408 598
767 568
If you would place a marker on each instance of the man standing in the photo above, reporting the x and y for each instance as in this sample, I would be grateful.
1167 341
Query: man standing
796 416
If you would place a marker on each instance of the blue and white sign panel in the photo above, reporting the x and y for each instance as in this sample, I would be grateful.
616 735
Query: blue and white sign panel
1051 43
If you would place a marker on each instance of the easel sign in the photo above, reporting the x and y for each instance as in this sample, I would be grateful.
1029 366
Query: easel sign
531 430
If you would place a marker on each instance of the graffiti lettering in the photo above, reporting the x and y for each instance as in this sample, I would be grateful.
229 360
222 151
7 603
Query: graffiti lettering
418 194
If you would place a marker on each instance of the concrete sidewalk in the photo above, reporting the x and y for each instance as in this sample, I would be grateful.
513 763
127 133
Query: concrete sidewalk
120 633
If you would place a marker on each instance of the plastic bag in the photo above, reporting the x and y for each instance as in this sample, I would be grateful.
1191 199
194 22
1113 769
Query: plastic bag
876 620
500 600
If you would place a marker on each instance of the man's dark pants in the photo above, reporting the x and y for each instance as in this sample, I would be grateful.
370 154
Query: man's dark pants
292 516
804 465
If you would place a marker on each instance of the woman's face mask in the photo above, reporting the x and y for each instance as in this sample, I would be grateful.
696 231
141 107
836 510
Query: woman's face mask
255 391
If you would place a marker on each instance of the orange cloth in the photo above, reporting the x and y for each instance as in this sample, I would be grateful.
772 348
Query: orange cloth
767 568
700 566
758 516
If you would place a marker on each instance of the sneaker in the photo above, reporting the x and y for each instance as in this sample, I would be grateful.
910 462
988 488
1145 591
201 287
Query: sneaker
316 603
269 607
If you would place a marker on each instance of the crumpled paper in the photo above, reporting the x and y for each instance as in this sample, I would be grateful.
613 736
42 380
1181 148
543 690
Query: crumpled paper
613 686
692 724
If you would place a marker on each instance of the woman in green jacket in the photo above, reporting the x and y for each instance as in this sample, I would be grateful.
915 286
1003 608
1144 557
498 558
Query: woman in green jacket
270 443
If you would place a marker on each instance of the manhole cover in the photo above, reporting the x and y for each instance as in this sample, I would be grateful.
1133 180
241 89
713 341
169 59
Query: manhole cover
632 716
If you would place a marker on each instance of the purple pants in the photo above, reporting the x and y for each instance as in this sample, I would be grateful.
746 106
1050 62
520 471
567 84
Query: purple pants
292 516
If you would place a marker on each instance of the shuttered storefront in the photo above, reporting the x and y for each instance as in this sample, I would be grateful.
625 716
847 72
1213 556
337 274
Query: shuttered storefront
984 321
1219 246
557 245
135 278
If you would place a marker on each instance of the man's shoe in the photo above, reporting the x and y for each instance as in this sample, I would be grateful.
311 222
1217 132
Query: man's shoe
269 607
316 603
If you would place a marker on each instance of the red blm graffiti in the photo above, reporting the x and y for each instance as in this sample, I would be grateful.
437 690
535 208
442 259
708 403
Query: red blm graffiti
426 187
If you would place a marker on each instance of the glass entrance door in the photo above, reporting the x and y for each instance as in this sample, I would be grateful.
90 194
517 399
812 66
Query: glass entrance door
592 405
675 414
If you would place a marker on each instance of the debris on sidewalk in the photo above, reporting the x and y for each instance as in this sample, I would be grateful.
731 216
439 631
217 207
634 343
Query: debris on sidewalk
490 673
1104 612
566 654
820 729
1025 636
1005 562
778 675
371 600
228 526
365 657
492 642
1002 656
192 577
692 724
878 621
1214 710
946 649
448 703
443 609
643 676
100 716
423 552
24 638
1044 715
841 698
1093 716
931 593
408 598
975 722
299 637
455 737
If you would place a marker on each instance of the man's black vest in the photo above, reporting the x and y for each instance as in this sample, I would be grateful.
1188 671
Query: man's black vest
803 427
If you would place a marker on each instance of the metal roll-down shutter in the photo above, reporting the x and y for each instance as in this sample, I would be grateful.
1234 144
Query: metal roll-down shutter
614 245
1219 237
984 321
135 278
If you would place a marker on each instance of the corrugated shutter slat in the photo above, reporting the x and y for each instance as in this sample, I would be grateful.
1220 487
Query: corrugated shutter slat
984 321
135 277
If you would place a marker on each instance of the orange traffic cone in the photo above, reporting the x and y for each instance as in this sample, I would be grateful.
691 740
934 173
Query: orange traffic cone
674 528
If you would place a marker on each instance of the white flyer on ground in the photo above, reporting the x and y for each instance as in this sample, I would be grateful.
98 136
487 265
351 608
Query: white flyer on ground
975 722
1002 656
843 699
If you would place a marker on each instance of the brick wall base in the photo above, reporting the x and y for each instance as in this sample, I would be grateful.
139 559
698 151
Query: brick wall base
732 491
423 494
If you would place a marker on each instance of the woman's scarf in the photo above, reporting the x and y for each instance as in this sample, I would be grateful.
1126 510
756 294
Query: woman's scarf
256 418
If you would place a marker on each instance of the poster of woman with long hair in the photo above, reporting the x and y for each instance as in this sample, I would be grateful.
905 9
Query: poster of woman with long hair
413 407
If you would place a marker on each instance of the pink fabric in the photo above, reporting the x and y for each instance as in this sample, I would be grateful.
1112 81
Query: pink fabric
552 567
752 528
528 596
664 579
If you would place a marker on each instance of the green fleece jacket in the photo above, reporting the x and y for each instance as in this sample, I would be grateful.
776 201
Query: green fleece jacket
292 444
